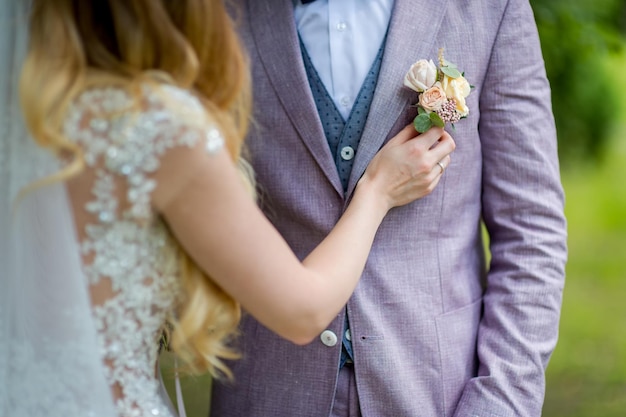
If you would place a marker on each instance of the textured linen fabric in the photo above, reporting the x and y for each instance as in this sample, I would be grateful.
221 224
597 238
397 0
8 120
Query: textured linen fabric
435 333
346 403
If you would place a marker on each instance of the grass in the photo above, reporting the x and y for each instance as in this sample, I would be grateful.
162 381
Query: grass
587 374
196 389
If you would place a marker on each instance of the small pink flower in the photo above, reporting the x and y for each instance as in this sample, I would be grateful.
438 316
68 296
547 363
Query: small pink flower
448 112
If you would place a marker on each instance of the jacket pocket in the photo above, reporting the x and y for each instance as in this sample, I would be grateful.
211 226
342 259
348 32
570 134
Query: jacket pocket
457 333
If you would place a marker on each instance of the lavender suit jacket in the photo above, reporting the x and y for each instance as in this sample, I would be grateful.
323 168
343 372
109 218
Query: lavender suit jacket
435 332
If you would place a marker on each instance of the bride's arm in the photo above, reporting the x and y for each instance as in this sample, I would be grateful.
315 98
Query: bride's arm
216 221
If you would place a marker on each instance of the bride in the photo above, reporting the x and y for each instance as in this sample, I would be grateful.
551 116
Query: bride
135 208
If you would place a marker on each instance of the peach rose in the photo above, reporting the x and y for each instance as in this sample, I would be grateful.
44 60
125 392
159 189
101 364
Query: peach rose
421 76
433 98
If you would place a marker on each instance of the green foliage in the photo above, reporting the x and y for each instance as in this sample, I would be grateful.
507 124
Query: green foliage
451 72
586 376
436 120
578 38
422 122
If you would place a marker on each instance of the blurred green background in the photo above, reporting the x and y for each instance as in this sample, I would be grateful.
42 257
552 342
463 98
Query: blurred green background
584 46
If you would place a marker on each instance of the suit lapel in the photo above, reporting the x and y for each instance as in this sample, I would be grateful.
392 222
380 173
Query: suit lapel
276 39
412 36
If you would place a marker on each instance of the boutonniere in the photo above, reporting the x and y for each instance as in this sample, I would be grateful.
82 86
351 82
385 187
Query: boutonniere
442 92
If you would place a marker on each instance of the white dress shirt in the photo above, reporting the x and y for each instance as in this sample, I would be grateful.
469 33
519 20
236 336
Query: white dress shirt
342 38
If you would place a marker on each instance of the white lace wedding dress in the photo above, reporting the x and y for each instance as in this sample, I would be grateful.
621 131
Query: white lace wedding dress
88 271
129 259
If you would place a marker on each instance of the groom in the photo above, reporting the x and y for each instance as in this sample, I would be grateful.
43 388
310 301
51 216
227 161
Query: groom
430 330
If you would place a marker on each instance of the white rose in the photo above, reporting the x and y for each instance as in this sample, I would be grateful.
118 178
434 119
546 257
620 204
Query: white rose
457 88
433 98
421 76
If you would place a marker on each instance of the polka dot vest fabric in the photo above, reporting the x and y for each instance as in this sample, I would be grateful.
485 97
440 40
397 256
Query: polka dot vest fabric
343 136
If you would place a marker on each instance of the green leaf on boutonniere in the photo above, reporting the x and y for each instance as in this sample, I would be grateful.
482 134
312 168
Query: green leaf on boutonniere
451 72
448 64
436 120
422 122
420 110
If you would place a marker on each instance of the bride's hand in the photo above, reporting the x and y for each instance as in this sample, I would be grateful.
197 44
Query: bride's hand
409 166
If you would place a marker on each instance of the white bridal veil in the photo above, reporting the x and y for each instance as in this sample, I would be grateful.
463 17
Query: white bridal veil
49 362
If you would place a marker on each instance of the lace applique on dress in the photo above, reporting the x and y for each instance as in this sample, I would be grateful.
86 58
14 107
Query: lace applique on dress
132 258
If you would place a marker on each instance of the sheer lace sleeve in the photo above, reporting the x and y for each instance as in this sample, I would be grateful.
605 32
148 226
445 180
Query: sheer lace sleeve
125 138
128 256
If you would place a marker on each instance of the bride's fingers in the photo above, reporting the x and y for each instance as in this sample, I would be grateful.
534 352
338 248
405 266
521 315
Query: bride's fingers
440 166
432 137
404 135
445 146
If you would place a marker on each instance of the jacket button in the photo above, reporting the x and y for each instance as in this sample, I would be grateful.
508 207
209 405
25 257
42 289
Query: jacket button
328 338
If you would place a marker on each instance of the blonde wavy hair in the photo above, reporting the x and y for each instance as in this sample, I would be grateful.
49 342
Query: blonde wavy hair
75 44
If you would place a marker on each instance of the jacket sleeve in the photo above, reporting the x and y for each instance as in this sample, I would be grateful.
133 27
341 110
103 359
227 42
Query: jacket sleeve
522 202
